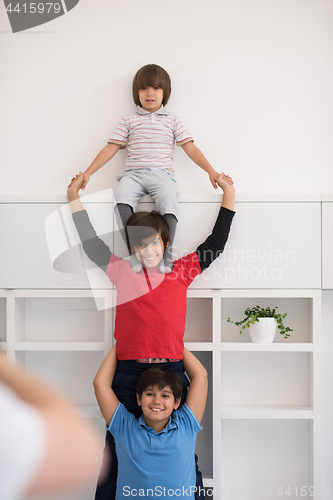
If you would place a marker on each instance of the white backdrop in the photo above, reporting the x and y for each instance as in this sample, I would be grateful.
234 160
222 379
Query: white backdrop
252 79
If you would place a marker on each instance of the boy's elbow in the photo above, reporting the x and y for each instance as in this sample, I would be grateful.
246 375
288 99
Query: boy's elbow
203 374
204 379
100 386
96 383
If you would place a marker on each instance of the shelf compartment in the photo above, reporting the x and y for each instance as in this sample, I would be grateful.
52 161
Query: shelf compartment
58 320
198 320
267 412
266 379
86 493
263 455
60 346
204 443
199 346
298 318
90 411
64 371
274 347
208 482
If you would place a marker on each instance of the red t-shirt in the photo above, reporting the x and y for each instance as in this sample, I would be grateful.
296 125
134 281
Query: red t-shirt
151 308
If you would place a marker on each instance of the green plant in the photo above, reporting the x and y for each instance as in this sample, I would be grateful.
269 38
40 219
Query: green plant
253 315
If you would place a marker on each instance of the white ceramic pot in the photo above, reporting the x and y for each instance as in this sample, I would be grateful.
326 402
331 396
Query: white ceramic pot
263 332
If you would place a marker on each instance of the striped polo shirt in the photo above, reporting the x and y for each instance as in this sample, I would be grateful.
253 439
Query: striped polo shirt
150 138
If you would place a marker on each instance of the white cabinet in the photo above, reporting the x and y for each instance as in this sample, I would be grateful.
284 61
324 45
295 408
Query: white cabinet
61 336
25 261
262 421
35 235
266 397
271 244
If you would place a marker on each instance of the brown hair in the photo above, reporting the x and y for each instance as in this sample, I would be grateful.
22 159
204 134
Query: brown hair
151 75
142 225
161 377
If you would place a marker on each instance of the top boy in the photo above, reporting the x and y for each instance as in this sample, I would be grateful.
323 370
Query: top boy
150 134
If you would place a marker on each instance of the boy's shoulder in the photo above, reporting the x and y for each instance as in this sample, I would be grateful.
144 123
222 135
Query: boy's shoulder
188 267
121 419
129 116
186 421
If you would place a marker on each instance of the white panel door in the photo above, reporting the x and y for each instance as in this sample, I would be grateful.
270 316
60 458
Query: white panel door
271 245
40 247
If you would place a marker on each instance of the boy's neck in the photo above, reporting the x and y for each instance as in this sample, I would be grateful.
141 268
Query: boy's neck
152 111
157 426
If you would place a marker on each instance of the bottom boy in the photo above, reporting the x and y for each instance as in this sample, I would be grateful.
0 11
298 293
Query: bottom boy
156 452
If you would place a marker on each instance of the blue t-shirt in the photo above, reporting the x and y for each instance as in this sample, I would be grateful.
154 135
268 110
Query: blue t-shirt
154 464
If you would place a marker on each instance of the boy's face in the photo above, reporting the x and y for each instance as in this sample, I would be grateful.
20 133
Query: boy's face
157 406
150 251
151 98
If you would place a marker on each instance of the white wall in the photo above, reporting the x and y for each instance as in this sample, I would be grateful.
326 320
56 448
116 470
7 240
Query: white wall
252 79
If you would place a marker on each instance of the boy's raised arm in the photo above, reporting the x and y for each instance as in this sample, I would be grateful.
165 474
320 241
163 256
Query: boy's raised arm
226 184
106 398
197 392
73 193
94 247
211 248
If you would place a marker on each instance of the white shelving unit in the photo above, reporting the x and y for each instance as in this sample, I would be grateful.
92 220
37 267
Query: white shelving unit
59 332
233 365
263 405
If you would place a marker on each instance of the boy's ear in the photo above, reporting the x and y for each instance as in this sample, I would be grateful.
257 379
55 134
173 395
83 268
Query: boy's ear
176 404
138 399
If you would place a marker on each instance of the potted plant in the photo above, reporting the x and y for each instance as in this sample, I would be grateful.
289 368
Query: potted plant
262 323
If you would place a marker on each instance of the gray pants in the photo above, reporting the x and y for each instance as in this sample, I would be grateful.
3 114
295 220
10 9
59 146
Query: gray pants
159 183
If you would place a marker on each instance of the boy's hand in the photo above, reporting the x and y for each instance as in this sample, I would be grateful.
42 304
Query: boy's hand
77 182
224 181
86 178
227 185
75 186
213 176
73 193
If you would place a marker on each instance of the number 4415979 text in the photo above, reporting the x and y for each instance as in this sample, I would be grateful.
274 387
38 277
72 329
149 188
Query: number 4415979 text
34 8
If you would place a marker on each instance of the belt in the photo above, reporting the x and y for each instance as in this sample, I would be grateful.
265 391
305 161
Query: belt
156 360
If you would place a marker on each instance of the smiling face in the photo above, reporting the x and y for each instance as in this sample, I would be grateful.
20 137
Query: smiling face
151 98
157 406
150 251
